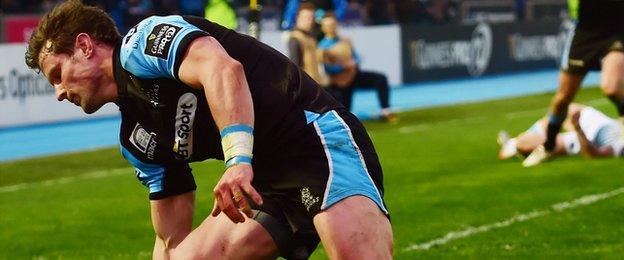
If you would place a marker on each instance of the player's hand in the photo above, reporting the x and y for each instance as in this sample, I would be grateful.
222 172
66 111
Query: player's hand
231 193
575 118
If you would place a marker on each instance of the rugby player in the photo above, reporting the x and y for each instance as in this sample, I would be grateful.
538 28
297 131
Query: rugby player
597 43
298 166
586 131
341 65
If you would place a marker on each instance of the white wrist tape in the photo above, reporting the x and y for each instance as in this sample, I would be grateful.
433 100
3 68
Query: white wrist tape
237 144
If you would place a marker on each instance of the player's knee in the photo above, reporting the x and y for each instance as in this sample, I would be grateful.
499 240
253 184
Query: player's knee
170 240
172 237
249 245
363 245
365 234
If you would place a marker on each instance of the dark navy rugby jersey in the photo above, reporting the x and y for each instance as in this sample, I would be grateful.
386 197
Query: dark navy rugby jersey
601 13
166 124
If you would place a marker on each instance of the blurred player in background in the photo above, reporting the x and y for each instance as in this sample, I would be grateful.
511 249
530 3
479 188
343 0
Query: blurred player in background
302 45
597 44
587 131
341 64
298 166
291 9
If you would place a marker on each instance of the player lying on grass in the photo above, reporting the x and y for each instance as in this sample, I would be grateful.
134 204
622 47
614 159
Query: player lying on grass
298 166
587 131
597 43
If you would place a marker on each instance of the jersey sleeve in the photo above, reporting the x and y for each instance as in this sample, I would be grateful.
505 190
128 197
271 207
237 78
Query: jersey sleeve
153 160
162 180
155 47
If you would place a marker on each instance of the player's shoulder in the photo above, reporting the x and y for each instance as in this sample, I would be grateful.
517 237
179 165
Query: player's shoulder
150 28
151 48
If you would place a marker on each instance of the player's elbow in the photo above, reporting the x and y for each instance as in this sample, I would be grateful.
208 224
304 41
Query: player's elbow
233 67
232 70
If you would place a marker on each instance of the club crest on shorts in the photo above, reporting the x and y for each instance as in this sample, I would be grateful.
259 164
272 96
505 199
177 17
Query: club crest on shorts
307 199
144 141
160 39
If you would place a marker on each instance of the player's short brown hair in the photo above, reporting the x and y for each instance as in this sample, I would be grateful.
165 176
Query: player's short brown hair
307 6
329 14
61 26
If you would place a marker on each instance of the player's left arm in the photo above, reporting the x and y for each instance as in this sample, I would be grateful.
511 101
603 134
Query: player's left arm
588 149
206 65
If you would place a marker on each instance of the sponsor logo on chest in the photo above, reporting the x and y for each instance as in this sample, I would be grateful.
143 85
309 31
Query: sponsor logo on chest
144 141
185 116
160 39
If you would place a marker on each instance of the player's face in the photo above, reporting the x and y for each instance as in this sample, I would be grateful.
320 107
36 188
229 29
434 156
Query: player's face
74 77
305 19
328 25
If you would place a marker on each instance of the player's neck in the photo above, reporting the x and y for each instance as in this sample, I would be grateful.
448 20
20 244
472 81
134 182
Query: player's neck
108 82
307 32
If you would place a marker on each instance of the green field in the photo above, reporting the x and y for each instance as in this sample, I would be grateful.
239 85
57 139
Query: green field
441 175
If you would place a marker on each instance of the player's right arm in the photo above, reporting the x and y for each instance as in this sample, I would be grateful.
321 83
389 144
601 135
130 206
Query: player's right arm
588 149
206 65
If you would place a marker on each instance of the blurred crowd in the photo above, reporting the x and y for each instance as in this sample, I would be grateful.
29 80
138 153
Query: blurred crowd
351 12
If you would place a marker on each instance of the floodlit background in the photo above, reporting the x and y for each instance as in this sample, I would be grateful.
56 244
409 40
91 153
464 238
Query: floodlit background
460 71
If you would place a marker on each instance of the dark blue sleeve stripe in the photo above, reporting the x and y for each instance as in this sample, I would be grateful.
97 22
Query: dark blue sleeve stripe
182 47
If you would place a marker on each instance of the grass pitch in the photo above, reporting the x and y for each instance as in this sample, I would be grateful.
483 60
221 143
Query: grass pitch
444 188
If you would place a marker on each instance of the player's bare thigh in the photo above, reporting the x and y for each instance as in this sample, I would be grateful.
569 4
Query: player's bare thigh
612 74
355 228
220 238
528 141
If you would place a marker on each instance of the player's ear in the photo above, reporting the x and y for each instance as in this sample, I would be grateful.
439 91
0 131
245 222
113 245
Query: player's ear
84 44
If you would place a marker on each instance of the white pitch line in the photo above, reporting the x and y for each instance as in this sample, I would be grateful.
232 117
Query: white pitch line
425 126
558 207
64 180
511 115
414 128
525 113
